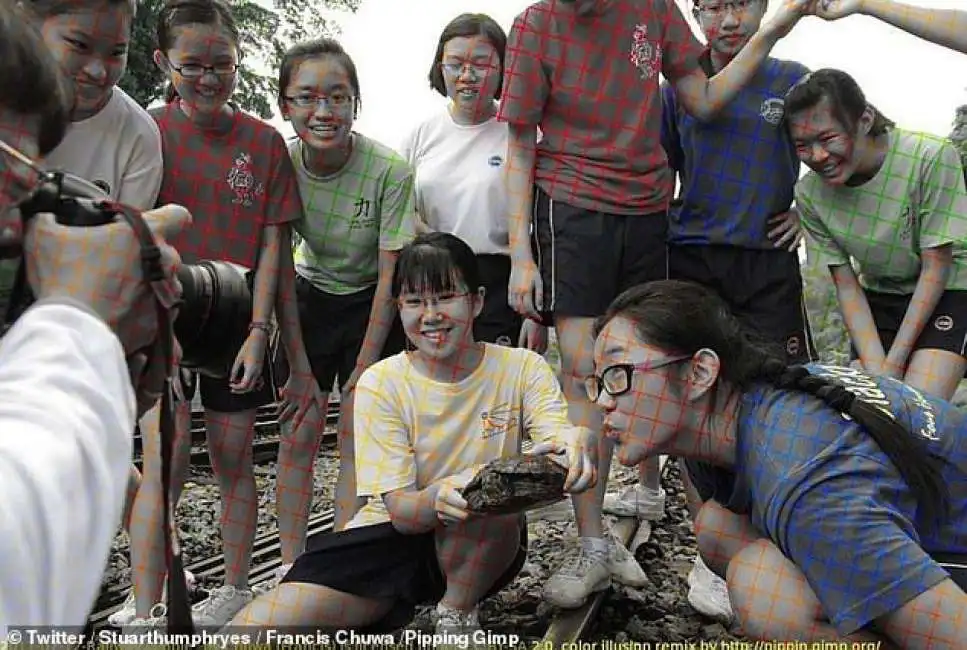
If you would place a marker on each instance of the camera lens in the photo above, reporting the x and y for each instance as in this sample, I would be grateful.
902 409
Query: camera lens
213 320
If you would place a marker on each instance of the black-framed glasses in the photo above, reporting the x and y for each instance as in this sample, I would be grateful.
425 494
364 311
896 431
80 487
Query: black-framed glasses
335 101
615 380
195 71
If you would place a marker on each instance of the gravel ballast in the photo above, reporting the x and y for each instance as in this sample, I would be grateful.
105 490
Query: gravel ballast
658 611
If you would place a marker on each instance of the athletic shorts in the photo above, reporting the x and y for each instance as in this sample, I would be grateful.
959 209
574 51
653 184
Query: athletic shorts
587 258
763 288
333 328
497 323
380 562
955 564
216 395
946 329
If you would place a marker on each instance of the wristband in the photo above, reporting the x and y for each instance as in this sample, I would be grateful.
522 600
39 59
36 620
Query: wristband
265 327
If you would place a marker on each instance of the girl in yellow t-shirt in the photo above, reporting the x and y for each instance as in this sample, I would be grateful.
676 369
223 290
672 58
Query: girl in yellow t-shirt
425 421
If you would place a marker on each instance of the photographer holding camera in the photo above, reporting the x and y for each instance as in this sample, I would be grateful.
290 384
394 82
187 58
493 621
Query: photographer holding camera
79 366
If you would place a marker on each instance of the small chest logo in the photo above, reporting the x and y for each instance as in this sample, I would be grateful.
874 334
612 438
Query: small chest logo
644 55
773 110
242 181
495 161
944 323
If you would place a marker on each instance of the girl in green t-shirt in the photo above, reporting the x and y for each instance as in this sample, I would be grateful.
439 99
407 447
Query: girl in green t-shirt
358 214
886 211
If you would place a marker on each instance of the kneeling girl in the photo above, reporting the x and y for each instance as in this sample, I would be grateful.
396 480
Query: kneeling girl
425 422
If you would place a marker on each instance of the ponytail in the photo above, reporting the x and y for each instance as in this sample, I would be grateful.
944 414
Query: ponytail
921 470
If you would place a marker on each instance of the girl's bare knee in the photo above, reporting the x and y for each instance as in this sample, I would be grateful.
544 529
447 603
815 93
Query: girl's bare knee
720 534
482 547
770 595
299 604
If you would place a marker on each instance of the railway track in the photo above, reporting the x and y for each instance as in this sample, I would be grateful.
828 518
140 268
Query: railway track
572 625
567 626
265 444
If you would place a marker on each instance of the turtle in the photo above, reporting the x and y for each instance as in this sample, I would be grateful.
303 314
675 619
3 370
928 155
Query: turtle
517 484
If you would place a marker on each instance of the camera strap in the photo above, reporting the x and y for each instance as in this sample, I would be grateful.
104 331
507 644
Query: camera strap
166 300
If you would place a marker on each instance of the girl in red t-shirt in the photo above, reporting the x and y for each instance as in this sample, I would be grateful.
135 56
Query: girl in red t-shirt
233 173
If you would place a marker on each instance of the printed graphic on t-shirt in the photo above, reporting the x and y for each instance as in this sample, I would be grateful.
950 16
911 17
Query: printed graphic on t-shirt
243 182
498 421
645 55
773 110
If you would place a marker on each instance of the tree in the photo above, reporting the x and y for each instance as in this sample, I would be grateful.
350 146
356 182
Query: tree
266 34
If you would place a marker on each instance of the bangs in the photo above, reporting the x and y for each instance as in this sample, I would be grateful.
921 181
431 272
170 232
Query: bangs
424 269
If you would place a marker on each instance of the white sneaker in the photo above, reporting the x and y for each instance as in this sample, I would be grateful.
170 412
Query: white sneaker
642 535
272 582
636 501
708 593
623 565
221 606
562 510
457 629
579 576
157 618
128 610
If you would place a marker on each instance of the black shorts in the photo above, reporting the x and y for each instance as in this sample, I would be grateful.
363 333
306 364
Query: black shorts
333 329
955 564
216 395
946 329
497 323
763 288
380 562
587 258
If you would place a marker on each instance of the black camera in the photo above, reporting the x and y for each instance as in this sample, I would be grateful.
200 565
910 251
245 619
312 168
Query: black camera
213 319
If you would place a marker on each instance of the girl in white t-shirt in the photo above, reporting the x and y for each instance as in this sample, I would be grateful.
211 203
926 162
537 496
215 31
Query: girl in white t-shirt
111 141
426 421
459 156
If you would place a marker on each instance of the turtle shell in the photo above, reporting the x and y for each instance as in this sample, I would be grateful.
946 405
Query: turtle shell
513 485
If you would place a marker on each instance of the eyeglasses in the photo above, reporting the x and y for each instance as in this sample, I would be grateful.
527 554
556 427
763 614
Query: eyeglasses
308 100
413 303
194 71
719 9
456 68
9 180
615 380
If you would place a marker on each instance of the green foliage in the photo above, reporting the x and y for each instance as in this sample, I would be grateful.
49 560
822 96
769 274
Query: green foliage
266 34
959 133
825 319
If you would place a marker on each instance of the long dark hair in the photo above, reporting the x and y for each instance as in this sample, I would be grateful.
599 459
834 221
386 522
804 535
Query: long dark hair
846 98
684 317
179 13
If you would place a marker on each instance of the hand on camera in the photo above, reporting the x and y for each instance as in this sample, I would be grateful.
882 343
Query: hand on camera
100 268
577 450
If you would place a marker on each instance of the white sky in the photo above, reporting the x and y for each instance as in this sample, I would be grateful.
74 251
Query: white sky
917 84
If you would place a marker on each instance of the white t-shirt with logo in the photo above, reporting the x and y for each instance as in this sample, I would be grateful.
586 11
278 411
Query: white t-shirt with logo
118 149
460 187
